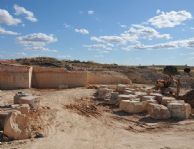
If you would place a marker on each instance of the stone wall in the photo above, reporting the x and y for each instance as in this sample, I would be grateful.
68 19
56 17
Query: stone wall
107 77
57 78
15 77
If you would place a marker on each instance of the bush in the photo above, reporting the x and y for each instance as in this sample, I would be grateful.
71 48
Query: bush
187 70
170 70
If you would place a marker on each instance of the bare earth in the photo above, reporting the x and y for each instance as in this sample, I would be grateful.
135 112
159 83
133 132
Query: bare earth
111 129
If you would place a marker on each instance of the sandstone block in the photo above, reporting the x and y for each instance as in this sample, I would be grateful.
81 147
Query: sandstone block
132 106
167 100
128 92
126 97
32 101
158 97
140 94
121 88
179 110
157 111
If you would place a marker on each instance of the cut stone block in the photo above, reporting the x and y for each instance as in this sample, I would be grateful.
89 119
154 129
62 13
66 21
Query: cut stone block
121 88
104 93
128 92
132 106
167 100
16 126
32 101
126 97
179 110
158 97
140 94
145 98
157 111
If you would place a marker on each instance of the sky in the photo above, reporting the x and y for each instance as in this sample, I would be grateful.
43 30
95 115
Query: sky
126 32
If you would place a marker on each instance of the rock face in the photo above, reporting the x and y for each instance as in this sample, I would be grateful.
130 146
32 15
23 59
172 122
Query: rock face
179 110
132 106
16 126
189 98
158 112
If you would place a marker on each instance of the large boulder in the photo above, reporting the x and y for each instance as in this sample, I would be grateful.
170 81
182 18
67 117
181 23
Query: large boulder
158 112
179 110
16 126
132 106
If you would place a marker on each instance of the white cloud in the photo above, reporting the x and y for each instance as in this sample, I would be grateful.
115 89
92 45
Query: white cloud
23 11
158 11
7 32
134 34
146 32
91 12
102 47
186 43
123 26
82 31
67 25
6 18
170 19
36 41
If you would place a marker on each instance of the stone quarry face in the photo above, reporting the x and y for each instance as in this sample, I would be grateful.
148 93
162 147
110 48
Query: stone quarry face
158 112
132 106
179 110
16 126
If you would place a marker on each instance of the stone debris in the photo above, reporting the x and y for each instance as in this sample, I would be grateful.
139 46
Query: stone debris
132 106
179 110
159 112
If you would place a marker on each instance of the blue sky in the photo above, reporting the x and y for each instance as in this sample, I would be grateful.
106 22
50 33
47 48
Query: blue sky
129 32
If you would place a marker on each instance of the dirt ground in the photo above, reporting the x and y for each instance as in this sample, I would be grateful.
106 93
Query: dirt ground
105 128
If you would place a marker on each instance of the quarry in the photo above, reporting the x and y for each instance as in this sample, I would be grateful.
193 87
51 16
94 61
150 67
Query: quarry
47 107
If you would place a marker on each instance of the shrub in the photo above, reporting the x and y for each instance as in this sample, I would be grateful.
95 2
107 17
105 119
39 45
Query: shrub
187 70
170 70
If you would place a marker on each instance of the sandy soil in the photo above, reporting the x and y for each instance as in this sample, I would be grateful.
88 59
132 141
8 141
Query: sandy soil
112 129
